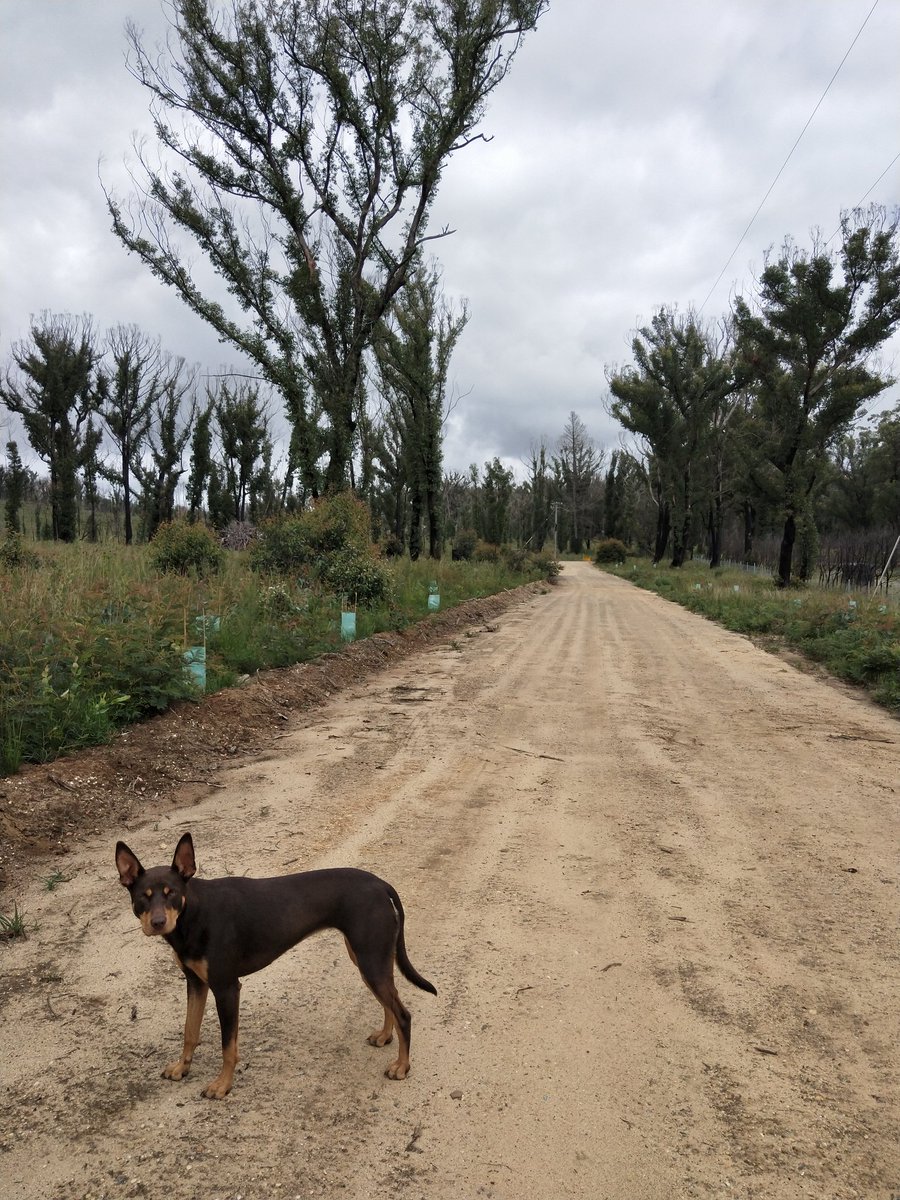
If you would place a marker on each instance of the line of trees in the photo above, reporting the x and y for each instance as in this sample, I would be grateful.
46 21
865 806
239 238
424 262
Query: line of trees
754 414
303 145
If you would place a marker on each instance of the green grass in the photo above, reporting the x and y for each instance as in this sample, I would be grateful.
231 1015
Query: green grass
856 636
52 882
93 638
14 926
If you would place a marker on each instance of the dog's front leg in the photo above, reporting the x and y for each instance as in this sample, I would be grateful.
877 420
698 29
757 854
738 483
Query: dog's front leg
197 991
228 1000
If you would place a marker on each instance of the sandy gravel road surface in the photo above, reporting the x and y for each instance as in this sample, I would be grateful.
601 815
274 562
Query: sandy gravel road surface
652 871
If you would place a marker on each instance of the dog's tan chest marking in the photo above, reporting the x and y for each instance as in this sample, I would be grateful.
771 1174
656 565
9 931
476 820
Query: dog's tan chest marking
199 966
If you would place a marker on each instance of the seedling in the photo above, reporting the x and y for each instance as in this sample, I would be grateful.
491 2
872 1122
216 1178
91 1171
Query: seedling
52 882
14 926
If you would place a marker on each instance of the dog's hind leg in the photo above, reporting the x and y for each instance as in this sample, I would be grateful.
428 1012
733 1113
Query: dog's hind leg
384 1035
378 973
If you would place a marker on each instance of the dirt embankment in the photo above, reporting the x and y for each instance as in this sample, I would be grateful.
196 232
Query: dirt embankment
652 871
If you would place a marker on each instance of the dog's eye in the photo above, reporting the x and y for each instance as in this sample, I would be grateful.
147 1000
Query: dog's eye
149 893
167 891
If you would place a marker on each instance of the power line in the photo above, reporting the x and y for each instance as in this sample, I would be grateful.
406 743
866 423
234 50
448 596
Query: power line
790 155
865 195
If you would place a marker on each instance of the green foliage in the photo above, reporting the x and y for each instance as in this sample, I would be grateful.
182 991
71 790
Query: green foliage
545 565
807 346
357 576
486 552
328 546
14 926
14 554
464 545
53 388
610 550
368 101
109 643
181 547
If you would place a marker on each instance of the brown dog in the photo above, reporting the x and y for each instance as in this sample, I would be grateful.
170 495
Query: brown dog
221 929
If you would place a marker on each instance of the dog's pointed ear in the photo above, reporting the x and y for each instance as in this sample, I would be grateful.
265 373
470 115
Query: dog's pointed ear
127 865
184 862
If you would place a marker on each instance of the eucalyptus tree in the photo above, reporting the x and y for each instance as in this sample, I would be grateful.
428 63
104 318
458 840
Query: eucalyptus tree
809 345
674 397
14 480
413 349
52 385
577 464
496 491
161 468
624 483
310 138
244 443
884 468
539 492
132 382
201 459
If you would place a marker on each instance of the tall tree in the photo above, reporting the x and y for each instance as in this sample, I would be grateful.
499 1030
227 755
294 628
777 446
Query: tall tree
678 388
174 413
808 346
244 439
53 388
201 459
493 511
312 136
132 382
539 487
577 463
884 468
413 351
14 480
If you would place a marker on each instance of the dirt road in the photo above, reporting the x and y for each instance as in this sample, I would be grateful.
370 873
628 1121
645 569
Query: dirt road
652 871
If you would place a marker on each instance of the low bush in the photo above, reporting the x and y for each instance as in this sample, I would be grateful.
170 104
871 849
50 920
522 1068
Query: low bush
486 552
330 546
181 547
14 554
464 543
610 550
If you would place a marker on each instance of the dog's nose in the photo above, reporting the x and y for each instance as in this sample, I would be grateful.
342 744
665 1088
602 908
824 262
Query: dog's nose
158 921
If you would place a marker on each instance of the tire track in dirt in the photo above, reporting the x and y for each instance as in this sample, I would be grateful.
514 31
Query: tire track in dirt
623 840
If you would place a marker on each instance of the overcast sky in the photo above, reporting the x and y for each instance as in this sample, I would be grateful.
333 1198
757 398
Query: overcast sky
631 145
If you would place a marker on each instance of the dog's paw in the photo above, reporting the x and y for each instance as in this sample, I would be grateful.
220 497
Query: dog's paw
218 1089
176 1070
380 1038
397 1070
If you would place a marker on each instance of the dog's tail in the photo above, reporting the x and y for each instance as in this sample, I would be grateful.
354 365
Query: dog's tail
408 970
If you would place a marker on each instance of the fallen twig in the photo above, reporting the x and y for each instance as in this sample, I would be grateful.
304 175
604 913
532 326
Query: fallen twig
532 753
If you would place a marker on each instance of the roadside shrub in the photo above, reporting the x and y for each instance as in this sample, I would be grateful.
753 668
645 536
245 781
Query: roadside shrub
486 552
515 558
610 550
359 577
548 565
14 554
182 548
464 545
329 545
